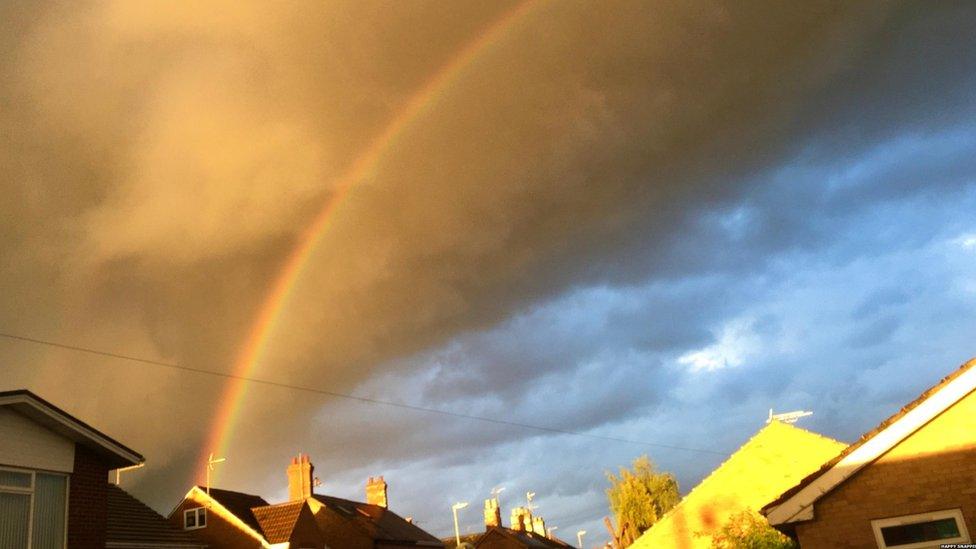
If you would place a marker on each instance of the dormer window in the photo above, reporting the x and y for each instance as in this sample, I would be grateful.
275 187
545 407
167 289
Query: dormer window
195 518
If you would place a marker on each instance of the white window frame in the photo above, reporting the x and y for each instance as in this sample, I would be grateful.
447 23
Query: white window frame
878 524
197 512
30 492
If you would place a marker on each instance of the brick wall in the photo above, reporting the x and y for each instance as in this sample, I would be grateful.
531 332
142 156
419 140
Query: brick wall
932 470
87 501
220 533
306 533
339 531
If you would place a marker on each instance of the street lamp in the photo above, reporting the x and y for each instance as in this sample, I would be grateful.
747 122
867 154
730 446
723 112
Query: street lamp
457 531
579 537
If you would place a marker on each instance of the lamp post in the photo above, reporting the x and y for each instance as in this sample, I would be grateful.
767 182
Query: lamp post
457 531
579 538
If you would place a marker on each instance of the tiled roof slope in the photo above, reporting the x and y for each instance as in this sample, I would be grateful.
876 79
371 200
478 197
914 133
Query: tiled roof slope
240 504
131 522
771 461
523 539
451 542
379 522
871 434
278 521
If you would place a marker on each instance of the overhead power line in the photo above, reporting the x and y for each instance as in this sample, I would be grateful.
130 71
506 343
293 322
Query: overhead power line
347 396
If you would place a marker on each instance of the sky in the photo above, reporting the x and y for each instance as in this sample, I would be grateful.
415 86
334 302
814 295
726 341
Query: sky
650 221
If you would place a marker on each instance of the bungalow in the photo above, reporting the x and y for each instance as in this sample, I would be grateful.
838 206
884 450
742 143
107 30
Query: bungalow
908 483
227 519
54 489
775 458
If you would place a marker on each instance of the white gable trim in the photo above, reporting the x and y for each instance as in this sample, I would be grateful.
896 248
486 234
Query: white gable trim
72 424
799 506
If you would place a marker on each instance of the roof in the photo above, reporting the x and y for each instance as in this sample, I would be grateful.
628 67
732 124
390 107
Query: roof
130 521
239 504
526 539
795 503
278 521
379 522
775 458
451 542
26 403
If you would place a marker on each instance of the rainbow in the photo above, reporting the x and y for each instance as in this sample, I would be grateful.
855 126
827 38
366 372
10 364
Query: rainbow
230 400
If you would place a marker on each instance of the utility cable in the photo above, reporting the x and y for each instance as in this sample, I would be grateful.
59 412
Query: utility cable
334 394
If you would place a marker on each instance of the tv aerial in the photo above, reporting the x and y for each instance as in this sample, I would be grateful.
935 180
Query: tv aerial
210 467
787 417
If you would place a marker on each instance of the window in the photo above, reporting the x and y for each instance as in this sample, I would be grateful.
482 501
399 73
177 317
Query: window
922 530
195 518
33 509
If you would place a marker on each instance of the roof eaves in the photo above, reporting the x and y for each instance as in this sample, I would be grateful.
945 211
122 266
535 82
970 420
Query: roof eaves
23 397
794 504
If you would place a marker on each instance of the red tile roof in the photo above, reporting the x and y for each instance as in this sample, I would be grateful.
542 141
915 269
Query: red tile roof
278 521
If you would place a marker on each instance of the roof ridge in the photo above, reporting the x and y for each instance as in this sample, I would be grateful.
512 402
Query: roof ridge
752 439
881 427
204 488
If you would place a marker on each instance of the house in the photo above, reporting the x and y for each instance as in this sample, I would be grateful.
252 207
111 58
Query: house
54 489
527 531
775 458
220 518
228 519
131 524
54 474
908 483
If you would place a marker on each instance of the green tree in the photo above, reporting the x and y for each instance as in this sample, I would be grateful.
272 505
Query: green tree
640 496
749 530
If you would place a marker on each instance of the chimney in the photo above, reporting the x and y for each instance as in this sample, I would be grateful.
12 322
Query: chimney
376 491
493 513
522 519
300 478
539 526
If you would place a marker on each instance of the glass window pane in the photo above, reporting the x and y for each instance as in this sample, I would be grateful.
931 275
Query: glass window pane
15 479
189 519
14 516
49 507
905 534
201 517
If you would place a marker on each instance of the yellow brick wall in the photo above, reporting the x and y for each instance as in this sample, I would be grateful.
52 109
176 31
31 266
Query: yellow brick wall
931 470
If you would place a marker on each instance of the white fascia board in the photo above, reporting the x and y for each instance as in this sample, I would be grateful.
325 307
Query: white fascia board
792 510
68 422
